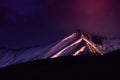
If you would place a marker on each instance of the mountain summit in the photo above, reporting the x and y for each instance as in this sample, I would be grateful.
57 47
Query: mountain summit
82 43
73 45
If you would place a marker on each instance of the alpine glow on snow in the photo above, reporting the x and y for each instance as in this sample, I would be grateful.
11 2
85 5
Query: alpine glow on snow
74 45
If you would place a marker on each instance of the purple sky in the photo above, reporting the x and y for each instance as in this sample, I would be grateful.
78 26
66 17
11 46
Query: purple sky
94 16
41 22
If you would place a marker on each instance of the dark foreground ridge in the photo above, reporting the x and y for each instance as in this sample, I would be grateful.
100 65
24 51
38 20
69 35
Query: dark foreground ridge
62 67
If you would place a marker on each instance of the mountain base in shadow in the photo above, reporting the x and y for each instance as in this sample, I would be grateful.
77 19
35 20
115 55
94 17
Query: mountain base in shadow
86 66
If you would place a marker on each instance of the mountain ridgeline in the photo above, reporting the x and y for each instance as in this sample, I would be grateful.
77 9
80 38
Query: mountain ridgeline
76 44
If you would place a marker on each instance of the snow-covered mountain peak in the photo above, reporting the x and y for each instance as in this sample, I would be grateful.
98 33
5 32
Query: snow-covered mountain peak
78 43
